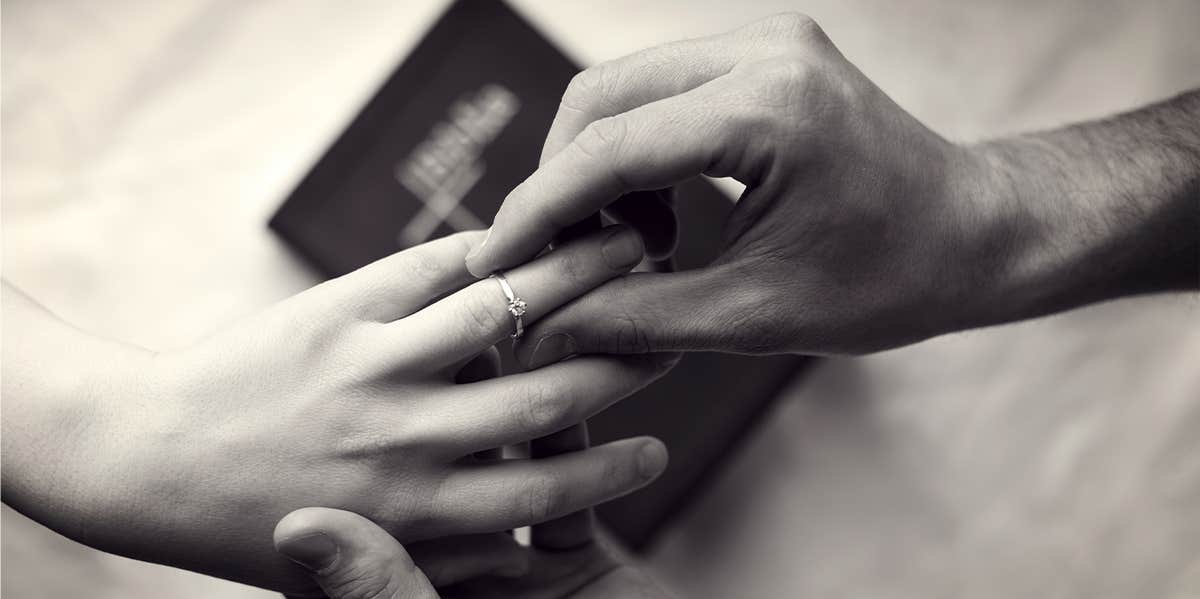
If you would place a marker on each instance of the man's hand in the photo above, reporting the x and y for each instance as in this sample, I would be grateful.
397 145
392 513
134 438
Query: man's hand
351 557
839 243
860 229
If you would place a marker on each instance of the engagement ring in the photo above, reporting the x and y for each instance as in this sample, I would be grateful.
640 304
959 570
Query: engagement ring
516 305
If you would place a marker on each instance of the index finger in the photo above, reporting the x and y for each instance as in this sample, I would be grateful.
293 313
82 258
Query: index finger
622 84
619 85
650 147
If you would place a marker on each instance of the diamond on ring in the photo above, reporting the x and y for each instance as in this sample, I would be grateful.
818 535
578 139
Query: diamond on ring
516 306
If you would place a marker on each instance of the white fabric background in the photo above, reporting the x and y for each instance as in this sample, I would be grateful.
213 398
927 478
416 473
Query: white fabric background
146 143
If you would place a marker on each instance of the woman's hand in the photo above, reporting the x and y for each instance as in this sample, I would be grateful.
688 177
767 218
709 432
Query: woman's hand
342 396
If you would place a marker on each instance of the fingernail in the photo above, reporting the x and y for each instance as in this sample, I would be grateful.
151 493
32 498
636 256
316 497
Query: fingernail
622 249
552 348
475 252
652 459
315 551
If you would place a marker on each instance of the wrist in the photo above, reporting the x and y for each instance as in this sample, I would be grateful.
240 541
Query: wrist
1025 237
61 406
135 473
979 261
1088 213
65 468
80 415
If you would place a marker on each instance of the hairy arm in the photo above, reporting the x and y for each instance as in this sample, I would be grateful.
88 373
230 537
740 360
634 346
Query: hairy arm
1095 211
860 228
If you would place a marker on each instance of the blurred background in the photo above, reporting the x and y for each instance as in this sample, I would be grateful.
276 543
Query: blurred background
145 145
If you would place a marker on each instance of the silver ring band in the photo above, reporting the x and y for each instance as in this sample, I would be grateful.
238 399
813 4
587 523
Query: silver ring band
516 306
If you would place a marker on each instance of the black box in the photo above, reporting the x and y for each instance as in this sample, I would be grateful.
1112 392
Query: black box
438 147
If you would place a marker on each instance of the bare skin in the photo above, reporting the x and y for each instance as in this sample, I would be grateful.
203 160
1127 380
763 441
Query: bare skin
860 228
358 393
364 562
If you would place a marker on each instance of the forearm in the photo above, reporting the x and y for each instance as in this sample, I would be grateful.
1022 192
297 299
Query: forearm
1095 211
55 381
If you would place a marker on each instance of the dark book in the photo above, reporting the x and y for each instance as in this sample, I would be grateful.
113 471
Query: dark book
459 124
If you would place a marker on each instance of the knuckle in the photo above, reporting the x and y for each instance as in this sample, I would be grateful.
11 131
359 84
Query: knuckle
313 336
424 267
630 336
544 410
793 27
785 81
417 269
587 88
546 499
386 439
483 317
602 139
602 142
571 266
366 445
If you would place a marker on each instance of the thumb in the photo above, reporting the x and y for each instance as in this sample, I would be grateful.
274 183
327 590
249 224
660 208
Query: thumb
710 309
349 556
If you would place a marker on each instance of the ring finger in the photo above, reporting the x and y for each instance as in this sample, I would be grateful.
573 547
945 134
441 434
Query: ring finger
478 316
